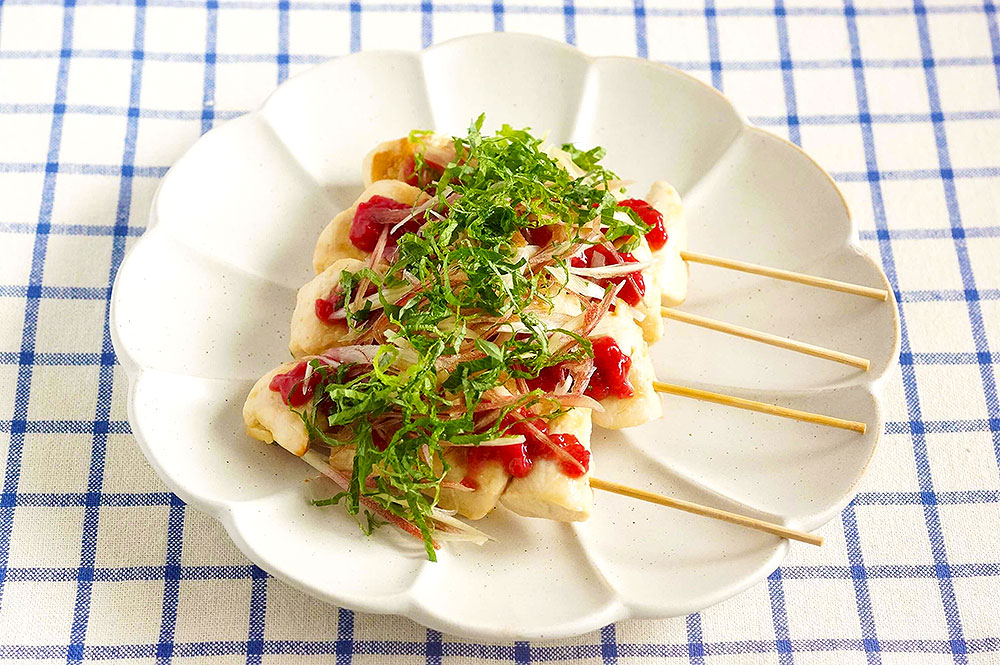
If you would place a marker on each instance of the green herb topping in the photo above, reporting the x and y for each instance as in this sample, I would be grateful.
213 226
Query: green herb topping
456 317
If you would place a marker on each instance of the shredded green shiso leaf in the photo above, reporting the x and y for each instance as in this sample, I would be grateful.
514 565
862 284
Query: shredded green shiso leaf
441 345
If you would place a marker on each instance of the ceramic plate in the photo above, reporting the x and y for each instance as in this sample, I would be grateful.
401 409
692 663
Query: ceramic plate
201 308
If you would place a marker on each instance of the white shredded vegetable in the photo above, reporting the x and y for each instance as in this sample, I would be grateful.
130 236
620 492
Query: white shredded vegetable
616 270
463 533
577 284
500 441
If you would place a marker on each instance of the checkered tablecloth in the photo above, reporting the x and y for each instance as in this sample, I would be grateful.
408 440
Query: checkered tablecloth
100 563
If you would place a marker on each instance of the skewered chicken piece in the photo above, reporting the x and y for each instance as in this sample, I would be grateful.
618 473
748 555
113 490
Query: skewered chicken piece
268 418
474 500
543 485
474 489
555 489
395 159
335 240
272 411
672 270
315 327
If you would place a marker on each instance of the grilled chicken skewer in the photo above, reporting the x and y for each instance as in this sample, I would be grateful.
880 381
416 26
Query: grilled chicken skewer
528 481
661 209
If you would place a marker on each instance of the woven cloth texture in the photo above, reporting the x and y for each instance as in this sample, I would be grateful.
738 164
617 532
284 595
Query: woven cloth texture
99 562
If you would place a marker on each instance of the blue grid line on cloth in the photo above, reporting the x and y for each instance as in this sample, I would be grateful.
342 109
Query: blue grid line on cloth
355 44
609 645
122 426
208 96
695 645
83 359
283 59
932 516
993 26
105 380
787 77
427 22
209 114
779 615
434 648
986 8
712 28
641 44
523 652
569 21
258 612
498 11
173 573
132 499
344 646
713 64
33 297
862 592
159 171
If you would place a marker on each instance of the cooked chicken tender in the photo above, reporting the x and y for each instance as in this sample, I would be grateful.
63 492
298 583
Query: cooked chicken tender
547 491
649 307
335 240
489 479
386 161
673 270
644 405
393 160
267 418
309 335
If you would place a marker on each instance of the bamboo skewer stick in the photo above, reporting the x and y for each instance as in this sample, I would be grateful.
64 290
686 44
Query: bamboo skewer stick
787 275
766 338
706 511
760 407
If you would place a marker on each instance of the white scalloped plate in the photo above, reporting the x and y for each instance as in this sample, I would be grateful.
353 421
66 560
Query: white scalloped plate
202 303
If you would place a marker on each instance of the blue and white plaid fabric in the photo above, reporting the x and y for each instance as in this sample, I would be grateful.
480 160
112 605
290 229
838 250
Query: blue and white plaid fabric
99 563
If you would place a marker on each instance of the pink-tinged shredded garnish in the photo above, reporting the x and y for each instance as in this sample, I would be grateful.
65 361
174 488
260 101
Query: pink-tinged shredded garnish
581 372
557 450
440 156
595 312
458 487
359 353
496 403
605 254
343 483
582 401
373 258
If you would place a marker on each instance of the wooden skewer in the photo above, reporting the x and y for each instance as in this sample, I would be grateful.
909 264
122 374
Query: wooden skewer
706 511
761 407
787 275
766 338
